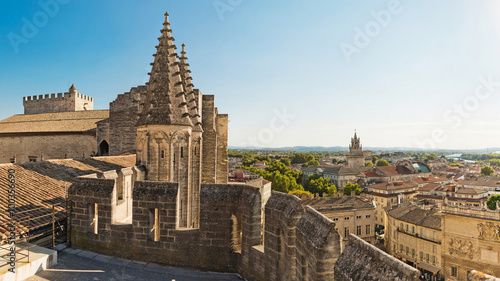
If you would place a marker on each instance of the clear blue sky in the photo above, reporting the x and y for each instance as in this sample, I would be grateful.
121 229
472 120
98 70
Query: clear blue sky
261 57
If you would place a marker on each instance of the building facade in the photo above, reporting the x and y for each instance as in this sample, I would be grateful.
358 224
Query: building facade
387 195
351 214
471 241
414 235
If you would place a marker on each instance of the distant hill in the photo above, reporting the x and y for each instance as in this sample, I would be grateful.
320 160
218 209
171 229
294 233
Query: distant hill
381 149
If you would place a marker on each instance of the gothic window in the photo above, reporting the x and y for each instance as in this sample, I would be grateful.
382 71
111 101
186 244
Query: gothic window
182 152
162 154
236 232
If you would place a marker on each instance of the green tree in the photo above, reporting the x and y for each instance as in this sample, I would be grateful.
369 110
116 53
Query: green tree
431 156
352 187
334 161
316 184
286 161
299 193
487 171
383 162
299 158
248 161
368 164
374 158
313 162
492 202
331 189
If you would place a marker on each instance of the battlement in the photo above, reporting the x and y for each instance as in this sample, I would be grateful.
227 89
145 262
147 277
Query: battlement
60 102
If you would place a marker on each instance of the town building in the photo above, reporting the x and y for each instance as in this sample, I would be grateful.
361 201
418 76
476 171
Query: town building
390 194
470 241
414 235
453 194
52 127
351 214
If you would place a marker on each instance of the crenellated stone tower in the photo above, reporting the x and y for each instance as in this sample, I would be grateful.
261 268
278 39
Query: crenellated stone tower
169 131
355 157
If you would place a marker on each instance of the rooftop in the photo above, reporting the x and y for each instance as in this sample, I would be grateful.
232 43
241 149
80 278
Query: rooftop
74 121
430 179
392 185
328 204
411 213
41 184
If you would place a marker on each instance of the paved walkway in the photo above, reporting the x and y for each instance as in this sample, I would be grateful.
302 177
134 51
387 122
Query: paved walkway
82 265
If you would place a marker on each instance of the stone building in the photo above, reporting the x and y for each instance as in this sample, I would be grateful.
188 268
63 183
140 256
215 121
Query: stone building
390 194
351 214
53 127
471 241
414 235
67 102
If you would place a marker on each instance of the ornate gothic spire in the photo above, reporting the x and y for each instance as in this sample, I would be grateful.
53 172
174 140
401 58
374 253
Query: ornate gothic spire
189 90
165 99
355 146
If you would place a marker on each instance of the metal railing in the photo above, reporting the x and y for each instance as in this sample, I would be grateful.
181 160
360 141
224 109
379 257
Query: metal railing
34 231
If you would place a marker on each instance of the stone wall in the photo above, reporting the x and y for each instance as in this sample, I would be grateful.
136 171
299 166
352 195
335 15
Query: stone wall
102 134
299 244
362 261
479 276
48 145
222 135
209 125
123 115
318 247
57 103
209 248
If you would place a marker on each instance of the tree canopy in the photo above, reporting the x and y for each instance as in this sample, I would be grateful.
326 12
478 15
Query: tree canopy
383 162
349 187
316 184
369 164
487 171
492 202
283 179
300 158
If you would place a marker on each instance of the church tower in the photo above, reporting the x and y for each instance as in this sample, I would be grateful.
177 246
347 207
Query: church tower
169 132
355 158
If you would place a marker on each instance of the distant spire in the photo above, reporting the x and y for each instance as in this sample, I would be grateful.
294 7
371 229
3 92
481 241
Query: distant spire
73 88
165 98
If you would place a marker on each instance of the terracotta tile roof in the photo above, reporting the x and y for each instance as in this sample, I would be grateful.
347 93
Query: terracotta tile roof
394 170
471 191
429 180
329 204
491 182
429 187
450 198
75 121
41 184
392 185
371 174
411 213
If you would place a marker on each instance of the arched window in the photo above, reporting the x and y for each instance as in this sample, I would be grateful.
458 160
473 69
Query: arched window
236 232
103 148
